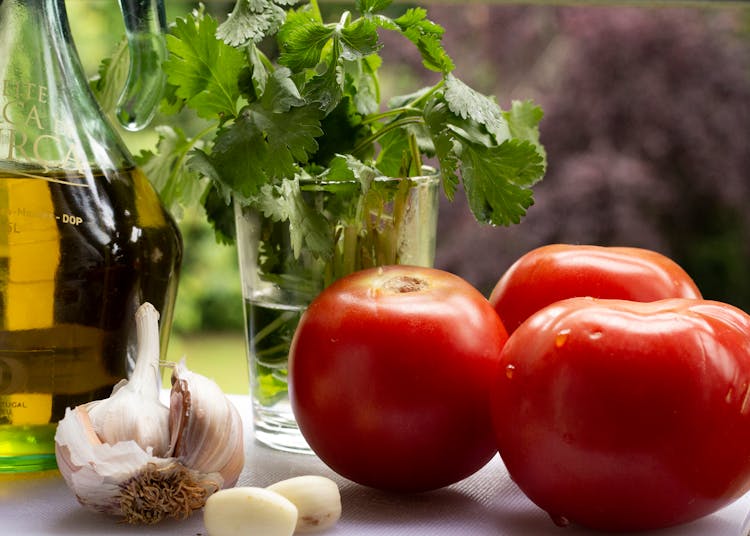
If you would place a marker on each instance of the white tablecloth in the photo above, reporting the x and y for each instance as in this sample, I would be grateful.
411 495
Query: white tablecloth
487 503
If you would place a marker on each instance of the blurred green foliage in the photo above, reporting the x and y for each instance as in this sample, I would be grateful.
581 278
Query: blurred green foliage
630 97
209 296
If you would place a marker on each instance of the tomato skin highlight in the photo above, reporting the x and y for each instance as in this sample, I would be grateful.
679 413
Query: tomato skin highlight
558 271
390 388
622 416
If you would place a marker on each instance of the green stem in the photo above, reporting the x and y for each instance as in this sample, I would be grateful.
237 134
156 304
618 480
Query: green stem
387 128
415 166
372 118
349 253
273 326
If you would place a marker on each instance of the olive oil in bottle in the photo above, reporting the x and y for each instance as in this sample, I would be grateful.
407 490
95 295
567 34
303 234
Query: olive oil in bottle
72 274
84 238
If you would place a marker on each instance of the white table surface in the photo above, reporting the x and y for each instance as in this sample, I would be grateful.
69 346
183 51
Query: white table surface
487 503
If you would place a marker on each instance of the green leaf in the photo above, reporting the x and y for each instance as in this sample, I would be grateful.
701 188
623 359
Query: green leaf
292 133
348 168
112 74
361 80
326 89
280 93
302 39
359 39
253 82
372 6
220 214
263 145
203 69
177 184
468 103
307 227
498 180
523 121
251 21
237 161
343 128
427 36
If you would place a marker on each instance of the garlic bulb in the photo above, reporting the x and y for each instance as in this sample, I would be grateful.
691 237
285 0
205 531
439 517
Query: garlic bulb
132 457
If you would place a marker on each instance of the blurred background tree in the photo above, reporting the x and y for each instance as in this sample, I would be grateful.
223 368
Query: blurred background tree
646 128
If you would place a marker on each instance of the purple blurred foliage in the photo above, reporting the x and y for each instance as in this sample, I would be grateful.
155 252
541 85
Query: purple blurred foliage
647 129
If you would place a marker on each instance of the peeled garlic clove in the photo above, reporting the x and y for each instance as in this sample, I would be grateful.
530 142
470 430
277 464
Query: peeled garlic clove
317 499
123 479
206 428
249 511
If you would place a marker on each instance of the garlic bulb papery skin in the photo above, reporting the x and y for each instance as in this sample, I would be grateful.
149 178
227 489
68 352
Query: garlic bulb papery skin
114 418
140 480
206 428
123 479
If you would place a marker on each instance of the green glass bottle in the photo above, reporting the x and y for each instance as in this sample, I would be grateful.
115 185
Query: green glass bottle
84 238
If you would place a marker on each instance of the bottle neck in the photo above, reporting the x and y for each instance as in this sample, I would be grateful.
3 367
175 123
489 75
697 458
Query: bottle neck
49 119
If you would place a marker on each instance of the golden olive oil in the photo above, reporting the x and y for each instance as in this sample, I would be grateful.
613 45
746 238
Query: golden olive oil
78 255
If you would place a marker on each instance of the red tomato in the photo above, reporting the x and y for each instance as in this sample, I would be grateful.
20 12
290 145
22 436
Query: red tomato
390 372
620 415
558 271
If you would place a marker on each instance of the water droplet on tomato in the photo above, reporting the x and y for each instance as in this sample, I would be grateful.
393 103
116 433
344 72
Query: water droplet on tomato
730 395
561 338
509 370
596 335
560 520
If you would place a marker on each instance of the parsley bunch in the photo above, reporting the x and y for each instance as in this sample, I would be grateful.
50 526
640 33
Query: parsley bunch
314 112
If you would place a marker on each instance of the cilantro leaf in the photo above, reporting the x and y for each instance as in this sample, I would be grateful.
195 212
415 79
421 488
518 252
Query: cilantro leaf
359 39
251 20
307 226
177 184
261 146
254 84
361 81
203 69
220 214
523 121
292 133
326 89
303 38
498 180
280 93
111 76
317 111
427 36
372 6
236 162
468 103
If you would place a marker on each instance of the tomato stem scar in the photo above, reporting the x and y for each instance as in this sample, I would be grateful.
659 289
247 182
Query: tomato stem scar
405 283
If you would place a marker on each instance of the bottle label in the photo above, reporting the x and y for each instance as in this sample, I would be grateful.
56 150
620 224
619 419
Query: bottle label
20 408
30 129
25 408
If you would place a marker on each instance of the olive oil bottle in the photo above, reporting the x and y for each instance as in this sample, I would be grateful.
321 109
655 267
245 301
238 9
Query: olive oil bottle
84 238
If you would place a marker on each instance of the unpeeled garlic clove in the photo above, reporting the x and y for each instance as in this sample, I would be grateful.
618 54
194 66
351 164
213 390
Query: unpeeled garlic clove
205 427
113 418
317 499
